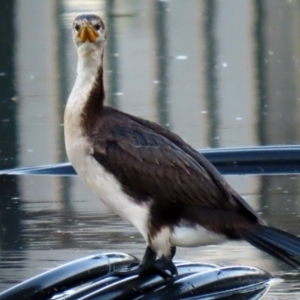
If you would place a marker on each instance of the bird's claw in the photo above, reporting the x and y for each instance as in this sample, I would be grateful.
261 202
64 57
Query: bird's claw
162 267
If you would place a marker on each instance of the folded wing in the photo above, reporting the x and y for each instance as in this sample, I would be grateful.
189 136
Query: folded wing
151 165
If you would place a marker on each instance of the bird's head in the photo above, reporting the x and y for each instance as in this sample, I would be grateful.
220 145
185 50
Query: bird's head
88 34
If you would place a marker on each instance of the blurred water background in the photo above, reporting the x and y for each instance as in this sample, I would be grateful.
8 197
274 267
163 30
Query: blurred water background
220 73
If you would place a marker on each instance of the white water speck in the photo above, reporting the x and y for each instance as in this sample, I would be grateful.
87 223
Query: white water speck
156 81
204 111
270 52
239 118
29 150
224 65
2 74
181 57
118 93
32 77
116 54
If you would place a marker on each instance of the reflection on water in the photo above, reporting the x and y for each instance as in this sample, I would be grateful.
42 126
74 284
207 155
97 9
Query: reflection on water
219 73
39 234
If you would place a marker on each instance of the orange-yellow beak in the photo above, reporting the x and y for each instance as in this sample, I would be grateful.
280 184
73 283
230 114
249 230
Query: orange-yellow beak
87 32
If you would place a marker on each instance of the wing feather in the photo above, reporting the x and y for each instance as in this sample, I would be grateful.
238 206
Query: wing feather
152 165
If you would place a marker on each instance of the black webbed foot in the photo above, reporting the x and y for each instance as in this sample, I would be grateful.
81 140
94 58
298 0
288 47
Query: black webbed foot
166 264
163 266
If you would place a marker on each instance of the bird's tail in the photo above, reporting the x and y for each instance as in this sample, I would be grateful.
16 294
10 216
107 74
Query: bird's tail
280 244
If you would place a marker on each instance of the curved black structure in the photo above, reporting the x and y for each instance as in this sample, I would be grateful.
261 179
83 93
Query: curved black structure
92 278
68 276
246 160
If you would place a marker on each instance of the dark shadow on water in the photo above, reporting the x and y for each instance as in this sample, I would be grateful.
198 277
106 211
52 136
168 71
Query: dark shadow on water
11 214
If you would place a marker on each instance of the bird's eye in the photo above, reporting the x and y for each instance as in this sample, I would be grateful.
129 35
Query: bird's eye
97 26
77 27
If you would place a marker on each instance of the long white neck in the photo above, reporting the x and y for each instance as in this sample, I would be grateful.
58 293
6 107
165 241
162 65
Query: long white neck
87 70
88 65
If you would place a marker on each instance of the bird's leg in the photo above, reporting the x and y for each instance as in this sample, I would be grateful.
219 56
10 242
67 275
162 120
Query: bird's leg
172 252
148 259
150 264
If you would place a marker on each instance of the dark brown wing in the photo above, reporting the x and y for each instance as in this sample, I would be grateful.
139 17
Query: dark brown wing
150 164
214 173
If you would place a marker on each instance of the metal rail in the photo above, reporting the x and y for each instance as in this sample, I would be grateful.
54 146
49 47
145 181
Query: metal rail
272 160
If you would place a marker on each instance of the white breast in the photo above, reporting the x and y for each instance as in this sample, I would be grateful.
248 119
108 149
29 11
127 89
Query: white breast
79 151
104 184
